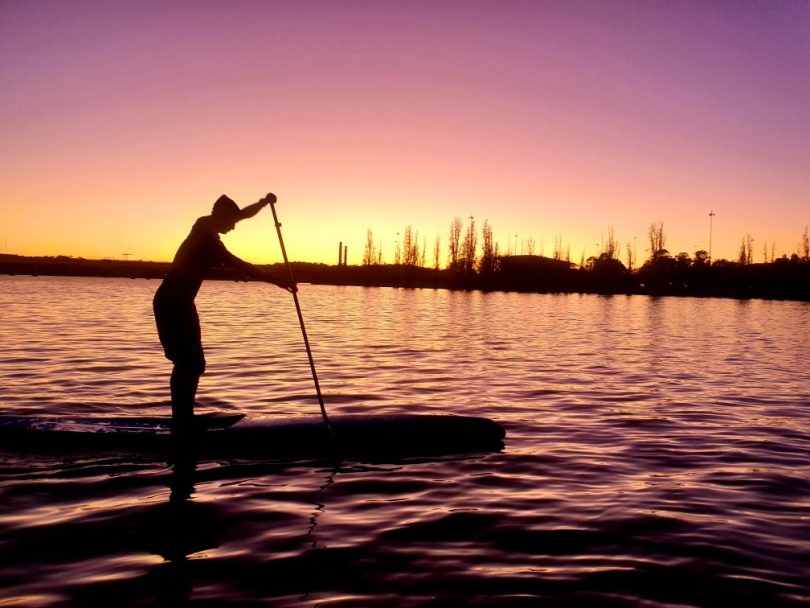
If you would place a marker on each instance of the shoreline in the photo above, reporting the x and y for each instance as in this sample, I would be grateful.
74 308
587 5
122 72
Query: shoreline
527 274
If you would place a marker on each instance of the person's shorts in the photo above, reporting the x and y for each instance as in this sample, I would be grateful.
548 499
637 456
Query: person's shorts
178 327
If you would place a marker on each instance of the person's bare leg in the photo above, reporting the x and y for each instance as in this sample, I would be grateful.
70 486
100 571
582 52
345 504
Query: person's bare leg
184 389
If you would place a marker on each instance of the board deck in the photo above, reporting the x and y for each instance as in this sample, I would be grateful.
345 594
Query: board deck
366 437
210 421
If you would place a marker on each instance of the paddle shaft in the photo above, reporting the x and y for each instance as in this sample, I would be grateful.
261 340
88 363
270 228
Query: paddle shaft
301 321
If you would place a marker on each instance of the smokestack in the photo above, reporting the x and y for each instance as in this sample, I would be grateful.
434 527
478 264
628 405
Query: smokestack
345 255
340 254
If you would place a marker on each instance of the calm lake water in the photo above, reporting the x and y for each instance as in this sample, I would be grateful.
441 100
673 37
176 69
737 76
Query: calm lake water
657 451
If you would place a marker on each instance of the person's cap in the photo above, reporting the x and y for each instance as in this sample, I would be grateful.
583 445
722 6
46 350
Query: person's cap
225 207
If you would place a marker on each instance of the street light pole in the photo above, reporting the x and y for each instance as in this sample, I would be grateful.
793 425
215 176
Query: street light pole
711 217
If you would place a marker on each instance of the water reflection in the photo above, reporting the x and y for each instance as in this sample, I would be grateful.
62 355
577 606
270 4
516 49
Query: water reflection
181 528
316 498
652 443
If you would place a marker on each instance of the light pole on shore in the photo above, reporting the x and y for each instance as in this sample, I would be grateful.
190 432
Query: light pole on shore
711 217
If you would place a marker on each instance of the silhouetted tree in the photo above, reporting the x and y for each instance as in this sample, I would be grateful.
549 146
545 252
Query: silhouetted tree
608 274
611 249
369 253
805 248
469 247
746 250
683 260
410 247
768 253
407 237
558 250
379 253
486 266
436 252
658 241
530 246
454 245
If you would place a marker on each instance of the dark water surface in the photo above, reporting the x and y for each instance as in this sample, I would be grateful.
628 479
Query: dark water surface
658 452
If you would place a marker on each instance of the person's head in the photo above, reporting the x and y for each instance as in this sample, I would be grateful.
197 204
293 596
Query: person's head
225 214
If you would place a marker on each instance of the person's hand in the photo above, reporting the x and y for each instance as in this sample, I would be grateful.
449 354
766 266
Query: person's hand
285 284
269 199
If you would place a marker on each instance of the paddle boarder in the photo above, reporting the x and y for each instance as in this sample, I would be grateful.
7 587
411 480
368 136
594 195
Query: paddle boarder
176 317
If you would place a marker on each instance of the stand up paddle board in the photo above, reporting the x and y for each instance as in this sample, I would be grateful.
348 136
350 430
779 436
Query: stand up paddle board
229 435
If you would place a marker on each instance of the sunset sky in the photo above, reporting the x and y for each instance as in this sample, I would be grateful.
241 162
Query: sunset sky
123 121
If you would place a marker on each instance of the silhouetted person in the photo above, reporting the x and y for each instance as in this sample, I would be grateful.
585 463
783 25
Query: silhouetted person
175 314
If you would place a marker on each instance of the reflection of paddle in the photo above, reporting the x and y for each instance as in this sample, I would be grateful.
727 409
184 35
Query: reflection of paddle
294 292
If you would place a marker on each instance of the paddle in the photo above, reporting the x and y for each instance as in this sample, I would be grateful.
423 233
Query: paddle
294 292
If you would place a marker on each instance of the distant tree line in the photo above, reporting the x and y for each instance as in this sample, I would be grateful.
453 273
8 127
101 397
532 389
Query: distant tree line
463 252
469 266
487 268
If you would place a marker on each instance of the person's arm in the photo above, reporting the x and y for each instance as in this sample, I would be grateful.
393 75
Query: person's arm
259 274
248 268
254 208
